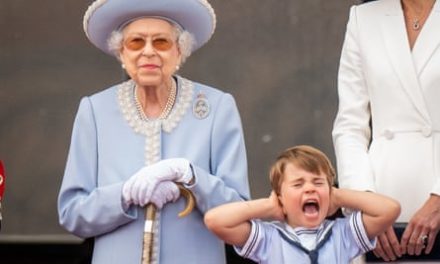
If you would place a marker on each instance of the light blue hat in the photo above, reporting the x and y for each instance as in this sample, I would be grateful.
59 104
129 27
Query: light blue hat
104 16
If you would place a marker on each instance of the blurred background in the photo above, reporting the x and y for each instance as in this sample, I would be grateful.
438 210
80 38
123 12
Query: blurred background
279 60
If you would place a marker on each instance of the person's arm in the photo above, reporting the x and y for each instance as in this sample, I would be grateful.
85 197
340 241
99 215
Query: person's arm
230 222
351 130
85 208
226 178
378 211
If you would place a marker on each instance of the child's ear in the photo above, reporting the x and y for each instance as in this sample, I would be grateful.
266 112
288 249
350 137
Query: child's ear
281 204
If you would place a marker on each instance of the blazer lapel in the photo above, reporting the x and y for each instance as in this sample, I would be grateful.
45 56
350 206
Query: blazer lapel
428 40
397 47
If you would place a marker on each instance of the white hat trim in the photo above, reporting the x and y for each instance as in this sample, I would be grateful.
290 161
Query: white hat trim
95 5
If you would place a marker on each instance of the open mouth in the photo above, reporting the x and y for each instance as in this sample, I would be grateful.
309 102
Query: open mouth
311 207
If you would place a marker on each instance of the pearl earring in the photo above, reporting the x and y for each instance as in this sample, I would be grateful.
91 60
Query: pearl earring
177 67
123 66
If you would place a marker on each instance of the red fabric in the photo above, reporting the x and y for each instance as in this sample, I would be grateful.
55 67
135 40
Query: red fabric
2 179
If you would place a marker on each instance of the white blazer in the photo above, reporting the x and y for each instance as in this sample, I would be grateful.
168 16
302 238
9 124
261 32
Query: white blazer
381 78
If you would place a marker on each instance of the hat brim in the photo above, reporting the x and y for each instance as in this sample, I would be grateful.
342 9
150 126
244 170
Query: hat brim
195 16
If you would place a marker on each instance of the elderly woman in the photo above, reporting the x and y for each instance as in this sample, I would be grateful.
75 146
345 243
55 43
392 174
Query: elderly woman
132 142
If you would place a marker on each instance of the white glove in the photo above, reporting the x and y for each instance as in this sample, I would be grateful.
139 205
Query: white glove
166 191
141 185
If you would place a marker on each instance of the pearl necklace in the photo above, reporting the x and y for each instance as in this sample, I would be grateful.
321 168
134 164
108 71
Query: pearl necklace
168 106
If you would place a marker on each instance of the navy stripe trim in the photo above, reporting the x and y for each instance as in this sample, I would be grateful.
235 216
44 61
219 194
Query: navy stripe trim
255 231
356 220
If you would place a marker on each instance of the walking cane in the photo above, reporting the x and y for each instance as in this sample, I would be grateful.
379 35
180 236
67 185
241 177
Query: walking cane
2 188
150 216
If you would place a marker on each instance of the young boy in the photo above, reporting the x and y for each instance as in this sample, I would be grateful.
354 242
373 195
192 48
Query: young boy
302 198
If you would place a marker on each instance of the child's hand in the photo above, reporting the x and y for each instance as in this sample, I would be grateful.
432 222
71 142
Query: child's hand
334 205
277 209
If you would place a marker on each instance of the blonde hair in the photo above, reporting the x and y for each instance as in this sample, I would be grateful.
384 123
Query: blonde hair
304 157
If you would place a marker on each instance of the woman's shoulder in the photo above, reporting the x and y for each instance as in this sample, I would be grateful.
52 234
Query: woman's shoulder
210 92
377 5
208 89
102 98
369 15
214 93
106 92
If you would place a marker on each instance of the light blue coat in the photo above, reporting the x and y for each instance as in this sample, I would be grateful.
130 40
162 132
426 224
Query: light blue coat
105 151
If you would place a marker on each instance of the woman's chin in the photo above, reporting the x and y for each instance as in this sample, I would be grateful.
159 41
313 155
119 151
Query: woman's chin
149 80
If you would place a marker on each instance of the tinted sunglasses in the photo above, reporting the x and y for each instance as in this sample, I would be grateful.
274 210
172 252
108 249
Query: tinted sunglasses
136 43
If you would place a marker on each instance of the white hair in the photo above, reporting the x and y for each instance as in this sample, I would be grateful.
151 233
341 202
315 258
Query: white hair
185 41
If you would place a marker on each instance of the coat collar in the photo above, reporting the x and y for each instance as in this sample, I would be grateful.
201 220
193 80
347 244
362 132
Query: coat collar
428 40
408 65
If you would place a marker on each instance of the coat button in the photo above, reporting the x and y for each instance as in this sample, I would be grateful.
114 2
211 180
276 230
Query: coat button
426 131
388 134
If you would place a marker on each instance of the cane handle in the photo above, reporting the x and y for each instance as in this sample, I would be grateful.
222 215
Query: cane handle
190 201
